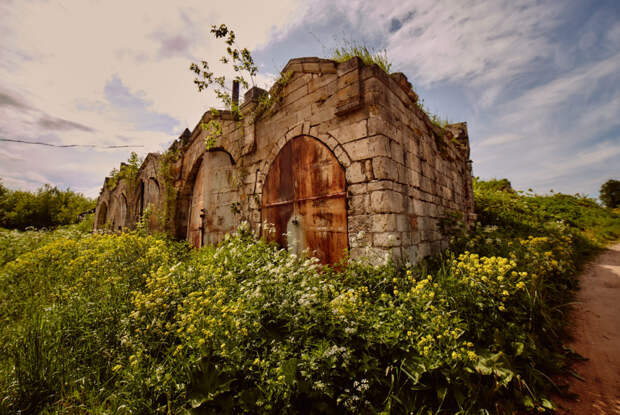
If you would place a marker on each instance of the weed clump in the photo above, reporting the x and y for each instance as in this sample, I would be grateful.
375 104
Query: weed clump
367 54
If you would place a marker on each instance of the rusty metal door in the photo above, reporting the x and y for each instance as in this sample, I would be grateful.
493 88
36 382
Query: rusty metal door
221 197
214 201
304 197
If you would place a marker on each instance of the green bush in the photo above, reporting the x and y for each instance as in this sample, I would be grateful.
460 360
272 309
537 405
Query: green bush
138 324
49 207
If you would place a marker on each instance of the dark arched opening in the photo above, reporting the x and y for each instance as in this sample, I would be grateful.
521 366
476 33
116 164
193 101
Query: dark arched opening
183 202
141 200
102 215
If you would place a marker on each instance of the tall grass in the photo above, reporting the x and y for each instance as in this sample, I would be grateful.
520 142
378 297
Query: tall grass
140 324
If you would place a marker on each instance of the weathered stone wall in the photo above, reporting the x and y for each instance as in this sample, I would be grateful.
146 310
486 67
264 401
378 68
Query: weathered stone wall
403 173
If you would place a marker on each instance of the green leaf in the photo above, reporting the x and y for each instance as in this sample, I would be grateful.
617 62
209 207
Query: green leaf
546 403
528 402
519 347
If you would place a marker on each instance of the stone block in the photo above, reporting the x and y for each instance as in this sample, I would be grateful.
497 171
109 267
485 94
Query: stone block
350 132
358 204
293 67
397 152
352 64
405 223
380 185
368 148
402 174
416 237
328 67
294 131
414 178
427 235
379 125
405 238
385 168
294 95
424 250
360 171
418 207
311 67
426 185
386 201
371 255
386 239
321 88
410 254
359 232
320 115
342 156
384 223
349 91
357 189
328 140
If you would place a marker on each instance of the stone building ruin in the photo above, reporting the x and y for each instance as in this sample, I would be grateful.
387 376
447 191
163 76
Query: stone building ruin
337 157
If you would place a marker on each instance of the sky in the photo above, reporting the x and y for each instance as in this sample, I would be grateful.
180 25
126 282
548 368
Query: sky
538 82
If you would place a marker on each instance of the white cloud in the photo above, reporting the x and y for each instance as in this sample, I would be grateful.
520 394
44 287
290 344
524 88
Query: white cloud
585 158
464 40
501 139
56 58
580 82
481 44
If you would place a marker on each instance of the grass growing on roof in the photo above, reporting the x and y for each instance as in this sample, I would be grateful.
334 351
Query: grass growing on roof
367 54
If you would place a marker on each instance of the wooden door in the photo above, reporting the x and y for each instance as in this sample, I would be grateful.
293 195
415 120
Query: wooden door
304 197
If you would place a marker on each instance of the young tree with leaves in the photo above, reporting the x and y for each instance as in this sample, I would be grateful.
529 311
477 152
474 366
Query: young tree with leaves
245 69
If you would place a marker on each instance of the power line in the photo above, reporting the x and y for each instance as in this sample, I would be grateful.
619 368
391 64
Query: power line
39 143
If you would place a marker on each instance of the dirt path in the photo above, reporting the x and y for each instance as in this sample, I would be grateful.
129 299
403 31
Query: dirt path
596 336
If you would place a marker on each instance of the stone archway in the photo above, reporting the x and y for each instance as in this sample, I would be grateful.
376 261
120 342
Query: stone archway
304 197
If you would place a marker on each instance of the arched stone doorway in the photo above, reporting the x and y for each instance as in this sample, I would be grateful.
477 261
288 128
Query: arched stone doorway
102 215
148 195
214 200
123 212
117 215
304 197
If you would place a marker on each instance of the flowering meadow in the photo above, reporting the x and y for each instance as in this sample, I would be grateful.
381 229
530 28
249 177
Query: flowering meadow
138 324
